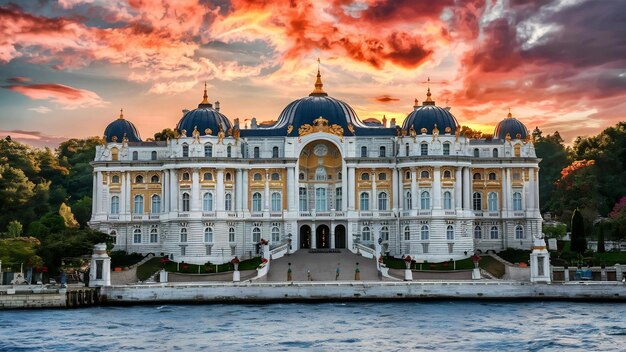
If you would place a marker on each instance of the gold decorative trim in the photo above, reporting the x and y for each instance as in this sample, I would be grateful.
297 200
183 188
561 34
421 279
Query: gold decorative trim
320 124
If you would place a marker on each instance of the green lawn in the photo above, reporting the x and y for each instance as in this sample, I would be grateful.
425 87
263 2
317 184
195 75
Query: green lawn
248 264
464 264
609 258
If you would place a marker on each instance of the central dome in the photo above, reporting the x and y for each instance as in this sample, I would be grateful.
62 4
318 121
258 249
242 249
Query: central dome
428 116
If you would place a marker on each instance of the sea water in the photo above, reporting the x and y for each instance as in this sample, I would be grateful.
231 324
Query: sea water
397 326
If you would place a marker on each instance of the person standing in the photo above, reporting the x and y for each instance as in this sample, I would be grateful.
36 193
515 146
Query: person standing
289 276
337 272
357 272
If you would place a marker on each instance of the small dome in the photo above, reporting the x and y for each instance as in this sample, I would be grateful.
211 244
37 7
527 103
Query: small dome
205 119
120 128
428 116
511 126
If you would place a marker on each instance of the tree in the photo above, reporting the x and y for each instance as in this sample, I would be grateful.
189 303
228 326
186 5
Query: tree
164 135
601 229
20 250
554 158
68 218
82 211
69 243
579 243
14 229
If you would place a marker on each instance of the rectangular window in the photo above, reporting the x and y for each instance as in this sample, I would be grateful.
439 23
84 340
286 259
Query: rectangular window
446 149
183 250
303 203
320 199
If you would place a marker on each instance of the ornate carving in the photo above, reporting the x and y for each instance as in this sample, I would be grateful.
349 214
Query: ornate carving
208 131
289 129
508 137
412 131
196 135
320 124
220 135
448 130
236 134
424 130
351 128
457 134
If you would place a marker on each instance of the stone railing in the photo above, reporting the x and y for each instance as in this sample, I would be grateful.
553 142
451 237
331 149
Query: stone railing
365 251
279 251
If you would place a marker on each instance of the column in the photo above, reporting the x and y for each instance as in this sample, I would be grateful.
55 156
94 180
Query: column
239 190
414 196
173 190
266 195
536 190
245 191
291 189
219 191
332 236
344 187
94 200
396 185
166 191
531 189
505 192
374 191
458 189
509 194
195 191
313 236
351 189
164 194
437 188
467 193
123 179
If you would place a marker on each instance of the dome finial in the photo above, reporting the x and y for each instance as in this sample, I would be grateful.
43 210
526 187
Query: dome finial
319 86
121 113
205 97
429 100
509 115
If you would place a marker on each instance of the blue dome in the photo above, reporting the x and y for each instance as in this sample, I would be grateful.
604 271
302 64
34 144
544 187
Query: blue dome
511 126
203 118
119 128
427 116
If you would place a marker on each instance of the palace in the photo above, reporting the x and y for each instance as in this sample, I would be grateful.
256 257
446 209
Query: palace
319 177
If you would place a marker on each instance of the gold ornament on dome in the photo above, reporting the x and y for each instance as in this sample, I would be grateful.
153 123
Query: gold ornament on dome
183 133
518 136
435 130
114 139
220 135
208 131
289 129
412 131
351 128
424 130
448 130
236 134
124 139
196 135
508 137
320 124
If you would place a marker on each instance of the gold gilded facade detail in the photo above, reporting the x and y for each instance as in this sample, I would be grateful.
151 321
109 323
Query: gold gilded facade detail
320 124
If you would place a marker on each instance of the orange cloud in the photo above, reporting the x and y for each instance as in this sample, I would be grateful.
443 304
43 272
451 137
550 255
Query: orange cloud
66 96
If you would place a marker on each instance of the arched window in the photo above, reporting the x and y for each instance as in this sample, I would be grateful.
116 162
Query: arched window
477 201
257 177
183 234
135 156
303 199
363 152
493 233
365 201
228 152
228 202
115 205
424 233
275 176
494 153
450 233
407 149
186 176
207 176
320 173
156 204
228 176
384 233
320 199
301 176
231 235
154 235
382 201
137 236
185 151
447 200
492 201
115 179
275 152
478 233
257 202
519 232
407 175
276 201
492 176
114 154
407 233
517 150
154 179
139 179
153 155
275 234
366 234
257 153
517 201
477 176
365 176
446 149
256 235
208 150
425 200
424 148
208 235
382 176
185 201
447 174
138 204
207 202
424 174
382 152
476 152
408 201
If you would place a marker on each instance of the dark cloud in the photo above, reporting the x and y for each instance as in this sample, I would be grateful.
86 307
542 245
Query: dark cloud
18 80
385 99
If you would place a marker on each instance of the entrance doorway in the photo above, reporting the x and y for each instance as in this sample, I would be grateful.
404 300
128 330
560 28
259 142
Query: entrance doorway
322 236
305 236
340 236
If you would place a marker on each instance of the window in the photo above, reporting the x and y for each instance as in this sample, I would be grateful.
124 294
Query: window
137 236
476 152
276 201
492 176
138 205
492 201
275 234
154 235
208 150
303 202
477 176
365 176
275 152
447 200
382 201
407 175
257 177
477 201
228 152
339 176
446 149
516 175
382 176
517 150
154 179
301 176
424 174
320 199
256 153
139 179
185 151
256 235
231 235
115 205
493 233
407 233
517 201
407 149
450 233
494 153
183 234
519 232
185 201
156 204
408 201
478 233
275 176
228 176
135 156
114 154
366 234
115 179
365 201
207 202
320 173
186 176
208 235
153 155
228 202
424 148
363 152
424 233
447 174
183 250
257 202
382 151
338 198
207 176
384 233
425 200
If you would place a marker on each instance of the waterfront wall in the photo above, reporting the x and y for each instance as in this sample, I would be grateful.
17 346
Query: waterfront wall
31 297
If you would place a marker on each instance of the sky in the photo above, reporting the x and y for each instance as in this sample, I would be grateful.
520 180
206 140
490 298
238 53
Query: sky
68 66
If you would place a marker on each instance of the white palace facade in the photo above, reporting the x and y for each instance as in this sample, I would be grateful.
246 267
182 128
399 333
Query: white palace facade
318 177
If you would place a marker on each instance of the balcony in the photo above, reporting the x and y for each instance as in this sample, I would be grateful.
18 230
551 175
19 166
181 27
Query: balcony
276 215
257 215
114 217
519 214
424 213
450 212
208 214
155 216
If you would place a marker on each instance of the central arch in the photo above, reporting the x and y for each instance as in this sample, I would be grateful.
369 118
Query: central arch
320 177
305 236
322 236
